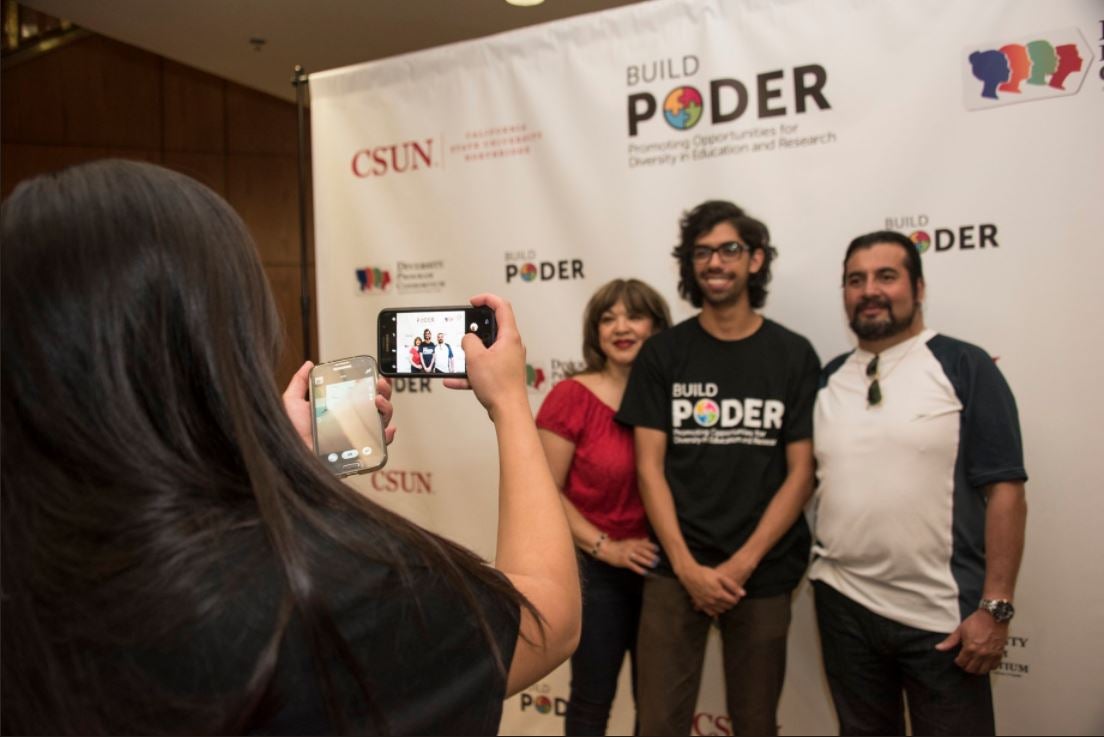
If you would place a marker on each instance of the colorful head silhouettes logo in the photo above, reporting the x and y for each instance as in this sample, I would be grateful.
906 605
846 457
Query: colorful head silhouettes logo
373 280
921 240
528 272
1034 68
706 412
683 108
534 376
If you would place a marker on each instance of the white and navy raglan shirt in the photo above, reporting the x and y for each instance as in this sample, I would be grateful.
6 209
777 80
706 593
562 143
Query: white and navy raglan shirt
900 499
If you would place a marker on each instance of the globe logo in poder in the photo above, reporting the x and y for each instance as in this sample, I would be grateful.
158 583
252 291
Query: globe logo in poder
528 272
543 704
921 239
683 108
706 412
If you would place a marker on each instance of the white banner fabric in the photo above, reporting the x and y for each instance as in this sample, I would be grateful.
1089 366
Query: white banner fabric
541 163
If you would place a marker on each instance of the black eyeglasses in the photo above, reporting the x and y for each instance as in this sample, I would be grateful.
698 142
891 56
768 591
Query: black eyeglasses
874 393
728 251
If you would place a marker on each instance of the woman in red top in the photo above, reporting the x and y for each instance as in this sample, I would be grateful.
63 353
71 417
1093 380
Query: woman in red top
592 462
416 356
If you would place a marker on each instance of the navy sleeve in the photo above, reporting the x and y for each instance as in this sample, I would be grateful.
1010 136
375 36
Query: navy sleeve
992 448
647 401
802 396
832 367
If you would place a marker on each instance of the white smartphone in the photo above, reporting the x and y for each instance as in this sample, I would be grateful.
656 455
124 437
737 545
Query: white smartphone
347 427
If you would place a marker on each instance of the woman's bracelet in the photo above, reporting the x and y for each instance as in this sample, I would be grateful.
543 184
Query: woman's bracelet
598 544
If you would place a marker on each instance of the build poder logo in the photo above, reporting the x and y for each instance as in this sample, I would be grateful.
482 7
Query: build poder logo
526 268
701 416
929 236
679 113
1030 68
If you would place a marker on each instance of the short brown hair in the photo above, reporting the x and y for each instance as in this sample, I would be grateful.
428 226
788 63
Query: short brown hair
638 298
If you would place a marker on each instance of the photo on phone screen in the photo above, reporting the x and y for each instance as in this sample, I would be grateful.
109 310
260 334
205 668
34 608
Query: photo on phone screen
347 427
427 341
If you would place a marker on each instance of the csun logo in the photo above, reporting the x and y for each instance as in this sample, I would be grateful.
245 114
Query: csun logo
395 157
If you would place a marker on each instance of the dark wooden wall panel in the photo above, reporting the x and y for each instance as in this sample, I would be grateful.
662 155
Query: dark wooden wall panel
265 190
195 110
207 168
98 98
95 92
285 289
258 123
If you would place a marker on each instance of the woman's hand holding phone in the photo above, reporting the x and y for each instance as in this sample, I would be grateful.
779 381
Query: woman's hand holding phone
299 410
495 374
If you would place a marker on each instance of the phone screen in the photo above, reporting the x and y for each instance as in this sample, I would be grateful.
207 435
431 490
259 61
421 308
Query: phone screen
427 342
348 430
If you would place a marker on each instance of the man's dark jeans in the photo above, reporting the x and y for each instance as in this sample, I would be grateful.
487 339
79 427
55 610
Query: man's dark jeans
871 660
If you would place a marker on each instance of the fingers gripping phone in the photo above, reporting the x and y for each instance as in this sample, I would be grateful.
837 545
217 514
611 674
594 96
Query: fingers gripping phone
347 427
425 341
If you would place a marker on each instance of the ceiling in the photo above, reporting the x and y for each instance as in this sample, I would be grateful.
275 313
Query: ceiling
215 35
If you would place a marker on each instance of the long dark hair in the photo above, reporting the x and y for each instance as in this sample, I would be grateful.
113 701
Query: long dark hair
697 222
145 445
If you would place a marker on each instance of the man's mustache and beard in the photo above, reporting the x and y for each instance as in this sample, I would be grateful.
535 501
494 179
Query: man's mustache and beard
878 329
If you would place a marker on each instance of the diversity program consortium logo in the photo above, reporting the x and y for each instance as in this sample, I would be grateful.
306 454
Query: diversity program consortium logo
534 376
1037 67
372 279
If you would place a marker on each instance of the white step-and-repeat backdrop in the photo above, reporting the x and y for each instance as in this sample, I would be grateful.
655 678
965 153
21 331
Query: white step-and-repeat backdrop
541 163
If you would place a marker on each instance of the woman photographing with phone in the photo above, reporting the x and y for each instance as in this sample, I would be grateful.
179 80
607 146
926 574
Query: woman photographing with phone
593 463
175 558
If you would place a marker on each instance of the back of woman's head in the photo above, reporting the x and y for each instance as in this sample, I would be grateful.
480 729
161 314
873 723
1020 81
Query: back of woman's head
137 324
149 468
139 338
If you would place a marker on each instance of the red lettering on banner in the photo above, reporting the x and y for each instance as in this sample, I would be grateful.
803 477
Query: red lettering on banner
410 482
396 157
709 725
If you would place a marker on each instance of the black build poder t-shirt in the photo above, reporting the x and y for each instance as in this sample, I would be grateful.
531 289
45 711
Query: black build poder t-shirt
729 408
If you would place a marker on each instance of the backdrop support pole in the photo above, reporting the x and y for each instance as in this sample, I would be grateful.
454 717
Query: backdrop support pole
300 79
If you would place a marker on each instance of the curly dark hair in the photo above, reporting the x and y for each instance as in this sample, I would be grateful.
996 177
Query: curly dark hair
702 219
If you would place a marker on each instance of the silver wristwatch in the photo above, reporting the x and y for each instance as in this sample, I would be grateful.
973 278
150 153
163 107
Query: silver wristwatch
1000 609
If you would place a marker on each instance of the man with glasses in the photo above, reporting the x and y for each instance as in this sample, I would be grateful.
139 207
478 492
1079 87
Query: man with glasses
920 509
721 407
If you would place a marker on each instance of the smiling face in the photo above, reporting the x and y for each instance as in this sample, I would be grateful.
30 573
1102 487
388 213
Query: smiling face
621 333
878 295
724 282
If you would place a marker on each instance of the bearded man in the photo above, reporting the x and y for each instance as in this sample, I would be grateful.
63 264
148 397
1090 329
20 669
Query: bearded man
920 509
